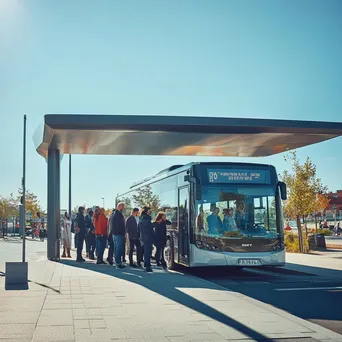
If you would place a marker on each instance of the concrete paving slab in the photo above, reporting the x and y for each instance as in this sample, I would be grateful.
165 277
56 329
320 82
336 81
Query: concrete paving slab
87 303
54 333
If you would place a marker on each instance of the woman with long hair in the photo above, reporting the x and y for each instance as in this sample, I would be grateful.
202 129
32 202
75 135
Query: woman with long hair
146 231
160 224
66 235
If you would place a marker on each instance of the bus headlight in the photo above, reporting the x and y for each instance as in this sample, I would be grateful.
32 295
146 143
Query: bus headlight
279 246
205 245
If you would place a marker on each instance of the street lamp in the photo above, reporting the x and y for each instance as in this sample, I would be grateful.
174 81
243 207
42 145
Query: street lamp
102 202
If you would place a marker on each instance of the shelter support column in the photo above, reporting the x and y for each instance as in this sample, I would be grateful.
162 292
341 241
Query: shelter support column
53 205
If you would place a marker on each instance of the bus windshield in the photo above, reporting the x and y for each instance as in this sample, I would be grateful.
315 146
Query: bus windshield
237 212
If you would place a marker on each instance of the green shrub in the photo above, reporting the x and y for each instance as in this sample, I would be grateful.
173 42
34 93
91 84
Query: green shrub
324 231
292 243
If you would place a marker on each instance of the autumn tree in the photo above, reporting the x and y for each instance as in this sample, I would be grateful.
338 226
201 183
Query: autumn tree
8 208
321 203
303 189
145 197
32 205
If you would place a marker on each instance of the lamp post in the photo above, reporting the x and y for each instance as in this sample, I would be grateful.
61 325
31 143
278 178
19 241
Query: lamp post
102 202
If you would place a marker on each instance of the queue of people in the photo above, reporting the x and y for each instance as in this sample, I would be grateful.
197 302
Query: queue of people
97 231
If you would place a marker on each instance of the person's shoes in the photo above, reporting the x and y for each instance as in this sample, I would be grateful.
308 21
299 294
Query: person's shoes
92 257
164 265
101 262
110 262
64 255
133 265
69 256
149 269
80 260
159 264
139 265
120 266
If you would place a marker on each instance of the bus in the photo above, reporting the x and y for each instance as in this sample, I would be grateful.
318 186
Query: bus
221 214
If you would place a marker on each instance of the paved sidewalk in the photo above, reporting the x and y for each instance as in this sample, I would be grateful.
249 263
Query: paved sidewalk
72 302
328 264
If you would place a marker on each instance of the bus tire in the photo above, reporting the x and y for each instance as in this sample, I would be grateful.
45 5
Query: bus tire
169 255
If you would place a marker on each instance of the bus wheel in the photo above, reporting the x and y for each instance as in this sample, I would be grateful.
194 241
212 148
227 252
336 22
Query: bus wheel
169 255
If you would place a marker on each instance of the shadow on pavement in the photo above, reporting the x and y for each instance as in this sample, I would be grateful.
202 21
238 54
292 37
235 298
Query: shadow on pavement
167 284
311 293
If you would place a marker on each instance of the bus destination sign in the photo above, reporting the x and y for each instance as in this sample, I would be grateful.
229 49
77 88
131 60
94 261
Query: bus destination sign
239 176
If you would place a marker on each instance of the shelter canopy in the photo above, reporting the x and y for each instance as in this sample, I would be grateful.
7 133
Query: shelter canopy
177 135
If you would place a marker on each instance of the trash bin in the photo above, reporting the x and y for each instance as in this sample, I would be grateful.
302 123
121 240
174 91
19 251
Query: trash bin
317 242
320 241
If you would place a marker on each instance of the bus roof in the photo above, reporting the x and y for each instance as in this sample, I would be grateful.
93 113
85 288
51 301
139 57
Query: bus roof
177 135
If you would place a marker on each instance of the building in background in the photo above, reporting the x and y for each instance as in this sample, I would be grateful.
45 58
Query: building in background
334 209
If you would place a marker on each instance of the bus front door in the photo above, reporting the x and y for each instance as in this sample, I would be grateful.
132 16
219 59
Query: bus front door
183 225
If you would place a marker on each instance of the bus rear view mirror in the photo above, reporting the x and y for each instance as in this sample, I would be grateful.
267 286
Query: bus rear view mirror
283 191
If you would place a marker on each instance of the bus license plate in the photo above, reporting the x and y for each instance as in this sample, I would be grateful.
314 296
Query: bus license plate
249 262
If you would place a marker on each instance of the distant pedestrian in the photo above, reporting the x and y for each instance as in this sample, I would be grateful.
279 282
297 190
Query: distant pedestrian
81 231
110 257
160 237
146 236
100 222
133 237
66 235
118 231
90 238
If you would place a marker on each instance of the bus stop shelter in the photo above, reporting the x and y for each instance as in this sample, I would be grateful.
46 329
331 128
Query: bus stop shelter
163 135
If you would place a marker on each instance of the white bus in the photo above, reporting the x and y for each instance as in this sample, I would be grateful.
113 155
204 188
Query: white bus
221 214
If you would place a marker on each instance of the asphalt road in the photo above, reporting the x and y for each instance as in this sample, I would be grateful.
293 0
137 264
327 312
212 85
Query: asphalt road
311 297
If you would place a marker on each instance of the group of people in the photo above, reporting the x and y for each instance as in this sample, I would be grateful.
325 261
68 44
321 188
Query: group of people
97 230
215 224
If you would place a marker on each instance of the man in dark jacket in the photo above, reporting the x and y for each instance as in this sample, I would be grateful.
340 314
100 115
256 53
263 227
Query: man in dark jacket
90 229
146 236
110 257
81 232
118 230
132 231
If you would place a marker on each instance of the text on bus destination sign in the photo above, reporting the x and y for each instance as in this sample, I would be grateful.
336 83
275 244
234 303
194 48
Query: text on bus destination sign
238 176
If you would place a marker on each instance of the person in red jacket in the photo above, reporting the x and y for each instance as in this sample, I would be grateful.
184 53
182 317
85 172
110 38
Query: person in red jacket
100 223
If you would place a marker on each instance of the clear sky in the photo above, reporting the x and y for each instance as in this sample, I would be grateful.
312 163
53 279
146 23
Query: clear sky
246 58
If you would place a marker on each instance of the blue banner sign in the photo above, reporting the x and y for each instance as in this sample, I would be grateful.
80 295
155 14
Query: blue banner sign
239 176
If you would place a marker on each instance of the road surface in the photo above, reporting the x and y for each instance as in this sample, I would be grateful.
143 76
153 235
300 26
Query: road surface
315 298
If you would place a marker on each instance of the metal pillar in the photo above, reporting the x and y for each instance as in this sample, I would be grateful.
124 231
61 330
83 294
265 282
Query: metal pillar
69 211
53 207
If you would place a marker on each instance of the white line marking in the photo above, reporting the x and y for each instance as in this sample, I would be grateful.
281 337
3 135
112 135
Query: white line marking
310 288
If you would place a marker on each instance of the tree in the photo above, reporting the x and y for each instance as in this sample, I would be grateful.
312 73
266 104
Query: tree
145 197
32 204
8 208
321 203
303 188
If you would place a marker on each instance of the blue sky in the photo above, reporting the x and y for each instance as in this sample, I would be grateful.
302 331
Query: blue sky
260 59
